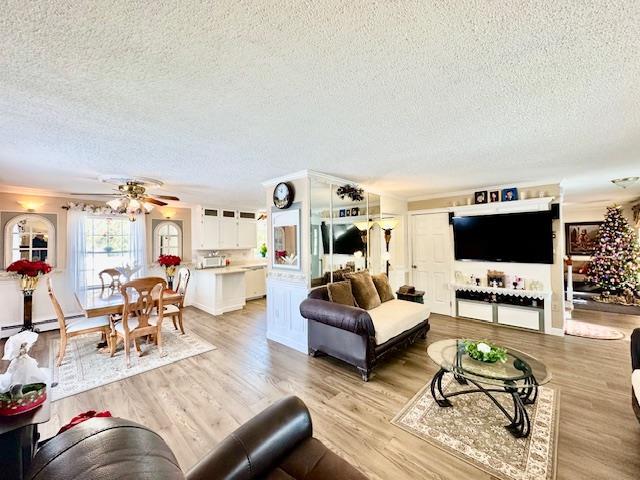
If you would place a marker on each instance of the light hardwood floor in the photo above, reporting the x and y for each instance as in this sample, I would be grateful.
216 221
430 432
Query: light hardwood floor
194 403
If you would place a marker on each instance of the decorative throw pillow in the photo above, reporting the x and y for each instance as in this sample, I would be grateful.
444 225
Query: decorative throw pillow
340 292
381 281
364 290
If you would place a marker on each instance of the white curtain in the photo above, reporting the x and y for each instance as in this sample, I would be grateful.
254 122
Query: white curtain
76 249
138 236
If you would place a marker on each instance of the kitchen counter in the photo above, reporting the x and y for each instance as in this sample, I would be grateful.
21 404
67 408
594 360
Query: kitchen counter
234 268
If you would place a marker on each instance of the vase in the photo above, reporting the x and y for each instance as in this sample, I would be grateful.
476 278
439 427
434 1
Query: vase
170 271
28 285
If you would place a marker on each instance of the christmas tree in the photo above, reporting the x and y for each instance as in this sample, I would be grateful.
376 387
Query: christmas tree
615 267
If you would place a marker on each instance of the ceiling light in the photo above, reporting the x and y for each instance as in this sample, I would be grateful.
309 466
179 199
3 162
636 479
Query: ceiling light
134 204
625 182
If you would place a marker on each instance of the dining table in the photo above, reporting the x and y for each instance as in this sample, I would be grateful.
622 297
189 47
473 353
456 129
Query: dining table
97 302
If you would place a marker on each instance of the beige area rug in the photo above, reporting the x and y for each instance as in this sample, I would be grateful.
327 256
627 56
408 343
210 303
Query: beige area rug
85 367
473 430
577 328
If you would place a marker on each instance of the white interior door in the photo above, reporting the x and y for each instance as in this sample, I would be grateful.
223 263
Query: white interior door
432 254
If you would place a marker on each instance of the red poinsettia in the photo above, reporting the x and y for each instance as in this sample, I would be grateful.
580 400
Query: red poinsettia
27 268
169 260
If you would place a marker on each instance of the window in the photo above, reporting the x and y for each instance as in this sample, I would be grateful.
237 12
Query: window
108 245
30 237
167 239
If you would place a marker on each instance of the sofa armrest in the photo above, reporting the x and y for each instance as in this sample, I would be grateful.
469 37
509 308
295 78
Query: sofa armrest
259 445
635 349
344 317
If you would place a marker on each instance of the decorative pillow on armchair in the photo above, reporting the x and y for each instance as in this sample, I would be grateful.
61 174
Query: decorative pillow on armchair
340 292
364 290
383 287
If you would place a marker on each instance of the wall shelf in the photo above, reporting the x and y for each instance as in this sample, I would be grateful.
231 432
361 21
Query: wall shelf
515 206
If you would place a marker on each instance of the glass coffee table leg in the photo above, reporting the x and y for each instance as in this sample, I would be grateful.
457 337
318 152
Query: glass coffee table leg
436 389
529 393
520 424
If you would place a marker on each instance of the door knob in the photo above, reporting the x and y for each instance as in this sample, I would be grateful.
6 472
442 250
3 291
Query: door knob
414 266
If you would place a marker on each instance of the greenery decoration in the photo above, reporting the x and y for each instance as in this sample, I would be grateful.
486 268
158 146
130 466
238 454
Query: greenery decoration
484 351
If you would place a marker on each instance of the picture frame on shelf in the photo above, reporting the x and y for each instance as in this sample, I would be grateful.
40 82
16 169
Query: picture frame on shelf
480 197
581 238
509 194
355 211
494 196
347 212
342 213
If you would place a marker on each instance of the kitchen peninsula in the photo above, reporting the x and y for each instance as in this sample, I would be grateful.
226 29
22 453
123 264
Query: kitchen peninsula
225 289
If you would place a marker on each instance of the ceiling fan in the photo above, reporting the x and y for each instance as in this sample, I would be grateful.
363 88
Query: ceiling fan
131 195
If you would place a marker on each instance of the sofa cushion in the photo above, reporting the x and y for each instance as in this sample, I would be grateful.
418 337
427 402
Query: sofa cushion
383 287
635 382
311 460
340 292
364 290
396 316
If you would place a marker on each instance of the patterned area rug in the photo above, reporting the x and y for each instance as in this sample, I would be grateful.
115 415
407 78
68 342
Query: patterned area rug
589 330
85 367
473 430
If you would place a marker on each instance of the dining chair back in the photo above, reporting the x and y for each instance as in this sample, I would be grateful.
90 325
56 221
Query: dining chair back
174 310
114 277
184 274
142 314
75 327
141 297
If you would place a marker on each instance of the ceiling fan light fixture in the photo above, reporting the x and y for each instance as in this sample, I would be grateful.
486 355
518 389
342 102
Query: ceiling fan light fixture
148 206
134 204
624 182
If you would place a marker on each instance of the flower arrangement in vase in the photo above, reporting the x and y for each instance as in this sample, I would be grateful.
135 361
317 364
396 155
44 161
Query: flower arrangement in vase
170 264
29 273
483 351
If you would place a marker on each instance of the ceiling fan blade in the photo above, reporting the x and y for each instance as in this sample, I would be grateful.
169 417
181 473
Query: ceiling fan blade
154 201
168 197
94 194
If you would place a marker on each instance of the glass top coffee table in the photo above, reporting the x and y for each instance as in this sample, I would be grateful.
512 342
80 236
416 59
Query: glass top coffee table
518 377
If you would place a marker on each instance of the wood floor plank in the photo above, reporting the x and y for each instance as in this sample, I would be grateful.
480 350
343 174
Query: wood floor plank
196 402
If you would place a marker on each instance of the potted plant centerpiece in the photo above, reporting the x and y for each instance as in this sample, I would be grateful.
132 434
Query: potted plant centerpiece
483 351
170 264
29 273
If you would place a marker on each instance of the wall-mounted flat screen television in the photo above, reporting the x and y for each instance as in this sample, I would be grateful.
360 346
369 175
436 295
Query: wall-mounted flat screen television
346 239
514 237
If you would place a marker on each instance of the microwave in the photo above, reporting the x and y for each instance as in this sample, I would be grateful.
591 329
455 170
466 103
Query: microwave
212 262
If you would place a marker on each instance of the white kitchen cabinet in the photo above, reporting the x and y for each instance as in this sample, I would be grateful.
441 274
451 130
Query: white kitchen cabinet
211 230
228 229
247 233
255 282
222 229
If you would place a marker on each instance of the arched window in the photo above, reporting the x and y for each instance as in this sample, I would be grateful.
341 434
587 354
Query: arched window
29 237
167 238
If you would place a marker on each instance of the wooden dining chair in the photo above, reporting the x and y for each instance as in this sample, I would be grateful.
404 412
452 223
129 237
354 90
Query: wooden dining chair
114 276
75 326
174 310
140 317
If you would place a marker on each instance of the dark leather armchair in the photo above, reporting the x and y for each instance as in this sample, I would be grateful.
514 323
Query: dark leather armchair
348 333
635 365
275 444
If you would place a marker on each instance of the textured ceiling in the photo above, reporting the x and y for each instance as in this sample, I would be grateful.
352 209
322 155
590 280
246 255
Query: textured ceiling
415 98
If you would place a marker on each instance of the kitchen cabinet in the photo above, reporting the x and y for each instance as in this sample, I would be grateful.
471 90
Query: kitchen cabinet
222 229
255 282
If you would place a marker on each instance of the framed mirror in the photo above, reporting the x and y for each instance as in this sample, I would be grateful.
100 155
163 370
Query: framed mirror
285 226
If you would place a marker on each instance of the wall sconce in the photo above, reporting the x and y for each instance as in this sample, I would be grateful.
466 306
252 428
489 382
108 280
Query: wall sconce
388 224
30 205
168 213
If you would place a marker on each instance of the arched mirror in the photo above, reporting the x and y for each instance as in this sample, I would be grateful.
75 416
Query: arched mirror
167 239
29 237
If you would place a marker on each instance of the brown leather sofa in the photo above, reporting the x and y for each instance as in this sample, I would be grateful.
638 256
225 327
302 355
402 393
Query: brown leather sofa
635 368
348 333
277 444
